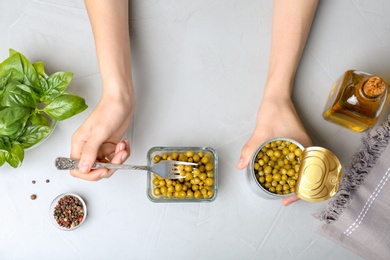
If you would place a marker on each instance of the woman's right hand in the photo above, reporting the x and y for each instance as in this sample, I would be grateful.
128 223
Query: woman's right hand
276 118
100 137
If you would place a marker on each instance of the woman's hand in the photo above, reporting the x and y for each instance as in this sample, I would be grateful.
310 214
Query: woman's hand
276 118
100 137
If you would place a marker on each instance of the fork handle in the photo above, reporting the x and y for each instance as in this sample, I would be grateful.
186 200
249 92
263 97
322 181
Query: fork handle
63 163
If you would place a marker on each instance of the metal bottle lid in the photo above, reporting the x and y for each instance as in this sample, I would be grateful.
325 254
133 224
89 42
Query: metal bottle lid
319 174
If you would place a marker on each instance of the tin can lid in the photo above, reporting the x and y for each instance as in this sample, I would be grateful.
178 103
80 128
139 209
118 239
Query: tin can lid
319 174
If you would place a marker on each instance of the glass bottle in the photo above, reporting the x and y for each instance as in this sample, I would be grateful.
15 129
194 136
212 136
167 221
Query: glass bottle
356 100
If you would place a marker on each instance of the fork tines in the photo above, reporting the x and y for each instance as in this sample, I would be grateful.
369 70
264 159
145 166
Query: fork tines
183 163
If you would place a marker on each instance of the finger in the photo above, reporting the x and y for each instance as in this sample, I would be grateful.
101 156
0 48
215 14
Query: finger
246 154
93 175
127 149
287 201
78 142
121 146
121 154
120 157
88 155
106 152
127 142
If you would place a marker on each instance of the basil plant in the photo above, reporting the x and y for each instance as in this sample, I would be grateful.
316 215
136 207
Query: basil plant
29 101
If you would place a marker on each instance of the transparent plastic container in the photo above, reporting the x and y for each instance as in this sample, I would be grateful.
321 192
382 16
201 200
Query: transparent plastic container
213 158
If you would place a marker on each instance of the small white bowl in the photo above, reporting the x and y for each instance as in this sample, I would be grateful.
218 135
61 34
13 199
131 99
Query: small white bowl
54 204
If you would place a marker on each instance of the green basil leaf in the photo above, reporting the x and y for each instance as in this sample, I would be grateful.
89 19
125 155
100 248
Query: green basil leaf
11 152
13 120
39 67
5 143
12 52
16 155
4 81
39 119
3 149
65 106
33 135
2 157
29 99
17 95
30 75
12 130
57 84
30 90
12 65
44 87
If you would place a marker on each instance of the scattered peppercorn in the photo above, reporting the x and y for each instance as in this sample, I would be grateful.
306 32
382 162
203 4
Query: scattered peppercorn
69 212
33 182
33 196
47 181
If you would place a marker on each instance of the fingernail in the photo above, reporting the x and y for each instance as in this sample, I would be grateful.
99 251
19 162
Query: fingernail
124 157
103 175
122 146
83 167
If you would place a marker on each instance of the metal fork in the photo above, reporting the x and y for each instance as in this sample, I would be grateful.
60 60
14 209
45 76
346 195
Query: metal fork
165 169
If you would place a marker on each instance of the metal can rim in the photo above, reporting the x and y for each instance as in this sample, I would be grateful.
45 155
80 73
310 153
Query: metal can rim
252 162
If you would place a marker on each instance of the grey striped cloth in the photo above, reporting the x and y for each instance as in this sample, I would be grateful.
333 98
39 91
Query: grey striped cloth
358 216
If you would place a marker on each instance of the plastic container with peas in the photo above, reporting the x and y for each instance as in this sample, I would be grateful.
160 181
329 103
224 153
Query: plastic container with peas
200 183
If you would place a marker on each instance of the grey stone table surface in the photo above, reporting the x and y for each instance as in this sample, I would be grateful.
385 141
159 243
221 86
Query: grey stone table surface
204 62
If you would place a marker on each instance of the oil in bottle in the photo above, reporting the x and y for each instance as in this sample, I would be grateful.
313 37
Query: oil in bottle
356 100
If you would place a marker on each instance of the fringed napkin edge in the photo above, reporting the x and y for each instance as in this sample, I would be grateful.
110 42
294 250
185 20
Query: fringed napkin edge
362 162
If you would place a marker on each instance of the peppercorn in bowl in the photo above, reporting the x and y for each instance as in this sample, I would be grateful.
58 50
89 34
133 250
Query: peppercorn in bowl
68 211
199 183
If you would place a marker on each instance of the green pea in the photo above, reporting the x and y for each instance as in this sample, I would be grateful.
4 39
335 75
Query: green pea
270 153
157 191
157 158
277 177
268 169
209 181
277 165
261 179
178 187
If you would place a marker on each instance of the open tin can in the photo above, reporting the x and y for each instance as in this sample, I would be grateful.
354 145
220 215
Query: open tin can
317 175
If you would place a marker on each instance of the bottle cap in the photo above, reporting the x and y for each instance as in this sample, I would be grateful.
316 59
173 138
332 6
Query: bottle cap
374 87
319 174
